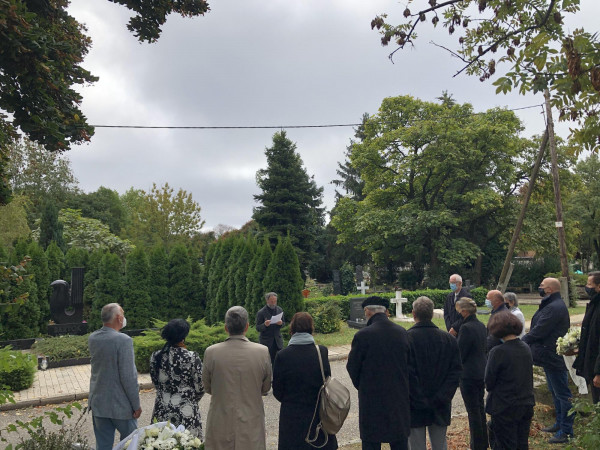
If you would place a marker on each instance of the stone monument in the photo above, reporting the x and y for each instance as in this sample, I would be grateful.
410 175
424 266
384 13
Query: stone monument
66 306
357 313
399 301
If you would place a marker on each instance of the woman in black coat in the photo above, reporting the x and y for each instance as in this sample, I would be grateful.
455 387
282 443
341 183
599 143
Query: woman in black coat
509 382
472 338
297 380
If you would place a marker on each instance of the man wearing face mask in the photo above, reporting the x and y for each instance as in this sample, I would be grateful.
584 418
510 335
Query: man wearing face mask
452 318
114 391
494 300
270 331
587 363
550 322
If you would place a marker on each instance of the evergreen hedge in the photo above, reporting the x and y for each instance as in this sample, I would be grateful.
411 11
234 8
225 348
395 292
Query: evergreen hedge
17 369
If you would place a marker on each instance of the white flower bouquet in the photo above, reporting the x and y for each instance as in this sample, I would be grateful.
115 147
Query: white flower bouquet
160 436
569 342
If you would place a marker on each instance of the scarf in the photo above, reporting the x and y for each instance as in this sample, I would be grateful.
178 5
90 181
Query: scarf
301 339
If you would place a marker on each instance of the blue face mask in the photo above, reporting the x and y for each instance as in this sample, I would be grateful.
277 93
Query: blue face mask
453 286
488 303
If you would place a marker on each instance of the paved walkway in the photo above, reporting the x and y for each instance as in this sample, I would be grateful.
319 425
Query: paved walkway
68 384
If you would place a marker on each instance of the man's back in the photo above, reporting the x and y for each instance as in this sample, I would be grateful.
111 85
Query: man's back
114 390
236 373
378 367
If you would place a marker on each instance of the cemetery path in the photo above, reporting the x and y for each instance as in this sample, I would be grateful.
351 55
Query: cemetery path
347 435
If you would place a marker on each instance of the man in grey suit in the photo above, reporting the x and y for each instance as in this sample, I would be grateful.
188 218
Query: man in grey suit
114 392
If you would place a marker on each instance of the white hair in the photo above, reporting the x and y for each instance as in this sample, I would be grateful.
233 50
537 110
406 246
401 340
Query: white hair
376 308
109 312
457 277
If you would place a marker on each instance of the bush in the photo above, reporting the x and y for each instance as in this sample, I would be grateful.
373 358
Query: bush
201 336
327 318
16 369
63 347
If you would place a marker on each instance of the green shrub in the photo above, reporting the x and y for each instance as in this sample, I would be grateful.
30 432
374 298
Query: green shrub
327 318
63 347
580 279
16 369
201 336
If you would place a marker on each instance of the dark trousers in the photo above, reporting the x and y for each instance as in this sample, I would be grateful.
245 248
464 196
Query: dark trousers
472 393
398 445
558 385
273 349
510 429
595 393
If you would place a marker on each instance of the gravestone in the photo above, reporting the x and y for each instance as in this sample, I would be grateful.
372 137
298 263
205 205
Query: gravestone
359 274
357 313
337 283
362 288
66 306
399 300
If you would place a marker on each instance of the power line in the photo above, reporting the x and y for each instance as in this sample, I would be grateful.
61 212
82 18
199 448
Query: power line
262 127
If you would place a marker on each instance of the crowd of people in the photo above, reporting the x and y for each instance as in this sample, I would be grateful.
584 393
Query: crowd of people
406 380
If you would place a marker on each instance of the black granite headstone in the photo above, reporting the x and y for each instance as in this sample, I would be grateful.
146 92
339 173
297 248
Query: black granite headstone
337 283
66 306
357 313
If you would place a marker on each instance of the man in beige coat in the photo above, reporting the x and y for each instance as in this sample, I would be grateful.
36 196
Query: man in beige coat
236 374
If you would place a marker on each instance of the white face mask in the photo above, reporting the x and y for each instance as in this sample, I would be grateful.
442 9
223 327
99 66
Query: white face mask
124 322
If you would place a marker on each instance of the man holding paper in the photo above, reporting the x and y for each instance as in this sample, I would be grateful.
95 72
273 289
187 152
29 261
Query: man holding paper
269 321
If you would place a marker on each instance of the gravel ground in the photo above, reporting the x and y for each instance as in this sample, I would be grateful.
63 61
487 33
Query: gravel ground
347 435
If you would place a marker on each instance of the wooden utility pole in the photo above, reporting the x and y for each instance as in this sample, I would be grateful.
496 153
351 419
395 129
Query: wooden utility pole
564 263
505 276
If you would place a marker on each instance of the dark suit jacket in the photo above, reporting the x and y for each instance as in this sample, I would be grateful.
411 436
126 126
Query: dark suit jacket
587 362
272 333
378 366
452 318
472 345
549 322
491 340
437 368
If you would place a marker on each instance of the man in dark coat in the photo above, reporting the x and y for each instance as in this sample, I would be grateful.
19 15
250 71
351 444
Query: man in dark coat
378 366
494 300
587 363
270 333
550 322
435 374
451 317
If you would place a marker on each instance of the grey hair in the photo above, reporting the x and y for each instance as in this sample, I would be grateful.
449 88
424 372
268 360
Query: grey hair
376 308
512 298
236 319
109 312
423 308
457 277
268 295
467 304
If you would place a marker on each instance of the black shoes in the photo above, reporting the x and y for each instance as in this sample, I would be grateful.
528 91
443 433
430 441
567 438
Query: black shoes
559 438
552 429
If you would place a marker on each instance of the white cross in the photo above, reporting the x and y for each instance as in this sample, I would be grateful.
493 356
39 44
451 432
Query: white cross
363 287
399 300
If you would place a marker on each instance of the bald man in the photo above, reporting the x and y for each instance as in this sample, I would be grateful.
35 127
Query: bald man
494 300
550 322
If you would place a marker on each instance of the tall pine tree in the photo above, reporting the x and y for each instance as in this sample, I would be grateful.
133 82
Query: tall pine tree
159 282
290 202
38 266
90 276
51 229
255 298
56 263
136 300
109 287
180 283
197 288
283 277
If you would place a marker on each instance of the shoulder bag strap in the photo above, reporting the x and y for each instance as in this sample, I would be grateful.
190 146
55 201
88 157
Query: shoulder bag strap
320 362
308 439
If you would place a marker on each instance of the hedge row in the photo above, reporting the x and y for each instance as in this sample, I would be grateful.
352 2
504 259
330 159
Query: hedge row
17 369
438 296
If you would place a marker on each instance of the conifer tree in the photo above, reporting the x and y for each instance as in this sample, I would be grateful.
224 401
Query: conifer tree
136 300
180 277
283 277
38 267
243 266
109 287
232 266
290 202
56 262
50 227
197 289
264 256
206 268
90 276
75 257
22 322
218 274
159 282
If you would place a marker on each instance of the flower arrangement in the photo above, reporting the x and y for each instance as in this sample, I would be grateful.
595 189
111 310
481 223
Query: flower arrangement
569 342
160 436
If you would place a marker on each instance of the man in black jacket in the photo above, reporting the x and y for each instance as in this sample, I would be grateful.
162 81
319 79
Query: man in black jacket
587 363
270 332
451 317
550 322
378 366
435 373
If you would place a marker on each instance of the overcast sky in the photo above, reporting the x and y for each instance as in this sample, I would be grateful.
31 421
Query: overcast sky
254 63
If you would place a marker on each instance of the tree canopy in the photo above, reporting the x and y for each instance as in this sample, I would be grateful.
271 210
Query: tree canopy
529 38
